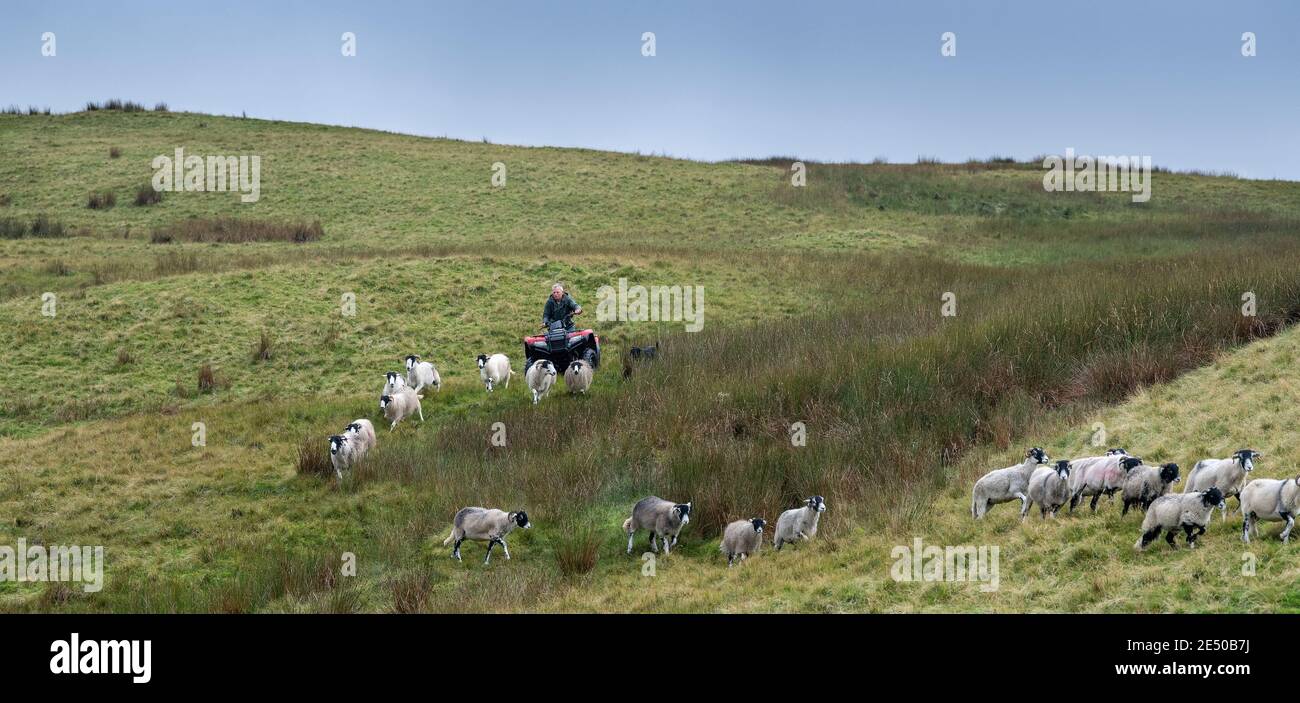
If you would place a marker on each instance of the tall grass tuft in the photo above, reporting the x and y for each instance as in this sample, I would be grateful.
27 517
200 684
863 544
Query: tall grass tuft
207 379
577 549
101 201
148 195
313 458
263 349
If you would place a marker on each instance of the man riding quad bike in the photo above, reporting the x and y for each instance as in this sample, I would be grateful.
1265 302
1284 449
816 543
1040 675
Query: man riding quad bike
561 343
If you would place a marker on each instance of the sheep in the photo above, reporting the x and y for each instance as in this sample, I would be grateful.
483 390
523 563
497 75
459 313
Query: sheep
799 523
421 373
1228 475
393 382
663 518
1100 475
361 432
494 369
540 377
1272 500
1050 488
577 378
401 406
1146 483
344 452
481 524
1003 485
742 538
1191 511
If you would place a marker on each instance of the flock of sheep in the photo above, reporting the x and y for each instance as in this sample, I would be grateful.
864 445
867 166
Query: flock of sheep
1209 484
663 519
401 398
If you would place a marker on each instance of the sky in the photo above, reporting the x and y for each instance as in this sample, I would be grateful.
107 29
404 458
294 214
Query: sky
818 80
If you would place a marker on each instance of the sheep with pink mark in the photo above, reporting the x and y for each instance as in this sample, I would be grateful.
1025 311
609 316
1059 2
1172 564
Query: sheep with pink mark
1098 476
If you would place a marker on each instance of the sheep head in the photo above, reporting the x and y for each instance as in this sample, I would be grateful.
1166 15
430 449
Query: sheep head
1246 457
1169 473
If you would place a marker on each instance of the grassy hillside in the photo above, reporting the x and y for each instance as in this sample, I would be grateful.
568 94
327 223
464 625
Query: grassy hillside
822 307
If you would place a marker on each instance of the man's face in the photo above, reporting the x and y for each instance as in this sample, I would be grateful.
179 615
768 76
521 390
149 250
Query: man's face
557 293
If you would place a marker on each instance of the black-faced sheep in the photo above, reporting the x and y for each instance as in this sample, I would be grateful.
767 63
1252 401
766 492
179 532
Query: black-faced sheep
663 518
1190 511
400 406
1098 476
484 525
577 378
1146 483
494 370
1050 488
799 523
1005 485
421 373
1228 475
540 377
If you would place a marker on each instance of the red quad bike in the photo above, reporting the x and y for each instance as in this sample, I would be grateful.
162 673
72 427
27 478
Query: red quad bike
561 347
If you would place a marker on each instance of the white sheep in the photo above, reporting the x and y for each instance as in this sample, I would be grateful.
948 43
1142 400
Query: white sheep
540 377
1050 488
483 524
799 523
1190 511
1228 475
494 370
361 432
1146 483
1271 500
577 378
421 373
1005 485
393 382
343 453
742 538
401 406
663 518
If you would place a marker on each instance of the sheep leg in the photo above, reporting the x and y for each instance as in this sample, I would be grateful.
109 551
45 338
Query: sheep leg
1169 537
420 410
654 547
1024 508
1290 522
629 540
491 543
455 549
1245 528
1125 510
1074 500
1093 504
730 558
667 545
504 547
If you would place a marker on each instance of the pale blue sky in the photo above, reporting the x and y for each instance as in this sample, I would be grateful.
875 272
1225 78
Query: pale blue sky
834 80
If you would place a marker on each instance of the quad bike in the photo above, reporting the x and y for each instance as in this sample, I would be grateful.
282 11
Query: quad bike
562 347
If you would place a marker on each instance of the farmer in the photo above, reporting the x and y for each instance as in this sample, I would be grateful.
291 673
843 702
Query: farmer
560 306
